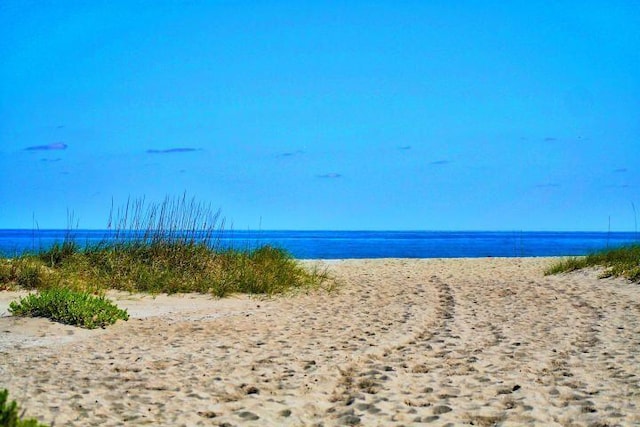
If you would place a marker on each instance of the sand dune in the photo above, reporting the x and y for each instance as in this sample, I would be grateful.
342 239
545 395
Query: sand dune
403 342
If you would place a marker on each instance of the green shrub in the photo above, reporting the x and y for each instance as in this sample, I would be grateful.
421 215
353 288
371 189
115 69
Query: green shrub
9 414
69 307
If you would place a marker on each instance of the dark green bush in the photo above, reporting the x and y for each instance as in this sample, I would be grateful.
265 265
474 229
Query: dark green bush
69 307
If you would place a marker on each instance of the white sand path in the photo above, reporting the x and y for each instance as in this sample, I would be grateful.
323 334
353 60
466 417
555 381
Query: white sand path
403 342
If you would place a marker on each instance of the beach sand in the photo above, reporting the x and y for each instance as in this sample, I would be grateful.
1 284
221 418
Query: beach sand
401 342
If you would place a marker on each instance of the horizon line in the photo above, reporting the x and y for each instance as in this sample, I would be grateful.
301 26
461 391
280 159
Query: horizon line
312 230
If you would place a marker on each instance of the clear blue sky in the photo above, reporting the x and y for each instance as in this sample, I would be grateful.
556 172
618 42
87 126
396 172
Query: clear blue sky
423 115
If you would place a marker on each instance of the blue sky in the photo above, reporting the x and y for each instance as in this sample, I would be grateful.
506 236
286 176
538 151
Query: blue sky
424 115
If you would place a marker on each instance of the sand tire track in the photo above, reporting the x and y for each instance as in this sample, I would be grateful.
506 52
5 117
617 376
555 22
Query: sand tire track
403 342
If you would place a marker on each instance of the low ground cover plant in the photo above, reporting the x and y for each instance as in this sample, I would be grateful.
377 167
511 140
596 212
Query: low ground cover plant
619 262
10 414
69 307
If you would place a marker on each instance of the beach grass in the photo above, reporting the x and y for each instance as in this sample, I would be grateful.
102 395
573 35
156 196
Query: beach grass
618 262
167 247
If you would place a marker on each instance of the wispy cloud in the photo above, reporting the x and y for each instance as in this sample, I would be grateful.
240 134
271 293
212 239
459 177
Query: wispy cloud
172 150
49 147
440 162
291 153
331 175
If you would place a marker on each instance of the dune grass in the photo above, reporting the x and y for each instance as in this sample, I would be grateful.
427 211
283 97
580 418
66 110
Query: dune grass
162 267
619 262
168 247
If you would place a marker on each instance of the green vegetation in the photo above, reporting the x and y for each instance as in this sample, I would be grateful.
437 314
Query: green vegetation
9 414
161 267
168 247
619 262
69 307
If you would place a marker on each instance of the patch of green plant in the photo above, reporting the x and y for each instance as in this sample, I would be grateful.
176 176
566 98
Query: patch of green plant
619 262
69 307
10 414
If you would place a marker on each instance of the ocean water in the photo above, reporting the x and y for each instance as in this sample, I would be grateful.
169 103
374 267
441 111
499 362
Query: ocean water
367 244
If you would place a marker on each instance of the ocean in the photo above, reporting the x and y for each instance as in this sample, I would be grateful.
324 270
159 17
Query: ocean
368 244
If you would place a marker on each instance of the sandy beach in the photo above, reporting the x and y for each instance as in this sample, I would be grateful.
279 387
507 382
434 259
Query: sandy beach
401 342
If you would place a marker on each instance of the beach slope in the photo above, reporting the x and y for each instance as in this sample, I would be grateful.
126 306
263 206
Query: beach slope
401 342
